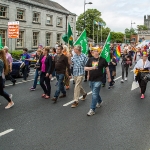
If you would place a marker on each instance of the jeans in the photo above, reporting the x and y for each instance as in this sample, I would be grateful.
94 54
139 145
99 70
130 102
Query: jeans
35 78
45 83
53 73
95 86
60 85
112 78
125 67
2 92
25 71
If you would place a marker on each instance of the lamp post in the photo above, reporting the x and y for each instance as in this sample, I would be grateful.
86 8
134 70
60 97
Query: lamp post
84 10
131 27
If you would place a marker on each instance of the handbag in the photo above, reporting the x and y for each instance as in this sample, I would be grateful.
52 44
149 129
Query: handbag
22 65
145 76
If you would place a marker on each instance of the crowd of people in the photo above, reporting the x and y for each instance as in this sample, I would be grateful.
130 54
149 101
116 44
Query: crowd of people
63 63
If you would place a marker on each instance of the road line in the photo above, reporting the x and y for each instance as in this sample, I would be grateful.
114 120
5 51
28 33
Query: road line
20 82
87 94
6 132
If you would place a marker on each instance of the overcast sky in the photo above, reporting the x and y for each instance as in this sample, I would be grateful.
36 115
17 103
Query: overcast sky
116 13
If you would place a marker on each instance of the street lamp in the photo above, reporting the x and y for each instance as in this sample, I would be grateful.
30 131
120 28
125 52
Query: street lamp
131 27
84 10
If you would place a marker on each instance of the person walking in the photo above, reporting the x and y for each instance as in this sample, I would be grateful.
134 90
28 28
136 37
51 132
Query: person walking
60 65
10 61
79 61
46 72
25 58
37 69
3 71
95 67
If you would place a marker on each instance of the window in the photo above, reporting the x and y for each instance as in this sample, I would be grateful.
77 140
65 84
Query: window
59 38
20 14
59 21
20 40
3 35
71 19
36 17
35 39
48 39
3 11
49 19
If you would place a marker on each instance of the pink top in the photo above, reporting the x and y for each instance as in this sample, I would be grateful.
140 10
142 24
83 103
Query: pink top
9 58
43 69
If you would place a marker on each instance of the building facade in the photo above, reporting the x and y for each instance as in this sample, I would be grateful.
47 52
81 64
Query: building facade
40 22
147 21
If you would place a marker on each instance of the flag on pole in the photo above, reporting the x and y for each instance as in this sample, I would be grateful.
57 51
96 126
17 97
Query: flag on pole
1 44
70 35
82 40
117 53
106 49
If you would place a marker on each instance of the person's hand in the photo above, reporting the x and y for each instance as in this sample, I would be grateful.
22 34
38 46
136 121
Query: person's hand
94 67
88 77
109 79
47 74
10 69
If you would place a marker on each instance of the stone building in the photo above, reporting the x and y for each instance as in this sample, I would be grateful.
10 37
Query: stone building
147 21
40 22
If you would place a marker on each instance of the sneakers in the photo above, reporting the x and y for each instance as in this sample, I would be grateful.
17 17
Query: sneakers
74 105
83 98
32 89
142 96
122 81
110 87
126 79
91 112
98 105
11 104
38 83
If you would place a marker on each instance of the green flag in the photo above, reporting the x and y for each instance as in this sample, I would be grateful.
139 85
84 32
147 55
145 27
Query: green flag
70 35
82 40
1 44
65 38
106 49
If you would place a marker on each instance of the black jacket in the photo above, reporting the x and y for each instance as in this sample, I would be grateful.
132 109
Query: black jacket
48 64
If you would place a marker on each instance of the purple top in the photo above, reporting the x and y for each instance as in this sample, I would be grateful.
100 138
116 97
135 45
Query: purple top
43 64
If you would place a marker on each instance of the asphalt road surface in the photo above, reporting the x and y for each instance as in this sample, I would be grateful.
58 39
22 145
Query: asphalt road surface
34 123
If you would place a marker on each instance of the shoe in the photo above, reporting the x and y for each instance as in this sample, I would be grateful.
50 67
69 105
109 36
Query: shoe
38 83
83 98
47 97
109 87
122 81
73 82
67 87
98 105
85 80
126 79
14 82
62 96
91 112
74 105
10 96
142 96
103 85
54 99
43 95
32 89
11 104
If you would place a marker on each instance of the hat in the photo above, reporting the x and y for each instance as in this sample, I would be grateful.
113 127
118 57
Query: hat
96 49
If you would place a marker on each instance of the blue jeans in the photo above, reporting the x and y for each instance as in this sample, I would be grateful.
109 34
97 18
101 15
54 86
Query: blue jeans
36 78
95 86
60 85
25 72
53 73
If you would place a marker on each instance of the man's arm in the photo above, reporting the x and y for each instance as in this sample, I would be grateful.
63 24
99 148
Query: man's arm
67 65
108 74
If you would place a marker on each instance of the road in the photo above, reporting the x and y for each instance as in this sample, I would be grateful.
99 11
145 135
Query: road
122 123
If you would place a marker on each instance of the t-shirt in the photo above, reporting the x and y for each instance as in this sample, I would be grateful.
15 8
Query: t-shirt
97 74
25 56
43 68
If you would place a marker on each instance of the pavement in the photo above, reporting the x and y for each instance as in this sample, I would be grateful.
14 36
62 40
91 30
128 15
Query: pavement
34 123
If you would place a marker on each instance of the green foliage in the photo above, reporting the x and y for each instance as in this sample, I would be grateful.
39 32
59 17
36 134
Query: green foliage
16 54
117 37
141 27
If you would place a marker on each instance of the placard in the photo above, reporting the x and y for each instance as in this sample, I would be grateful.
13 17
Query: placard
13 29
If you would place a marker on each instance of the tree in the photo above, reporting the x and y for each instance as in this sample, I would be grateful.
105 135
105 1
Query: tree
90 16
141 27
117 37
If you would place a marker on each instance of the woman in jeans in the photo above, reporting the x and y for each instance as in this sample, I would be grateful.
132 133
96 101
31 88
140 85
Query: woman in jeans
37 67
3 71
46 71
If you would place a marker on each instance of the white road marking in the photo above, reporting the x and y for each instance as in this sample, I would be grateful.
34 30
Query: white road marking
6 132
87 94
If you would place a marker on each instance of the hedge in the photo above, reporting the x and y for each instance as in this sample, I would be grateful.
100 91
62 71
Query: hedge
16 54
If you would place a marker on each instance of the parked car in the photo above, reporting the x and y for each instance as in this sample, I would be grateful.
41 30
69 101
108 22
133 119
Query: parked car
16 71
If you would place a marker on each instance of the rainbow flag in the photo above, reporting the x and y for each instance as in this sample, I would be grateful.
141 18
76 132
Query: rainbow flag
117 53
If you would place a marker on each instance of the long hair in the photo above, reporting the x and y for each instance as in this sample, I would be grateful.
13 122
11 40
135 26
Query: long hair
3 58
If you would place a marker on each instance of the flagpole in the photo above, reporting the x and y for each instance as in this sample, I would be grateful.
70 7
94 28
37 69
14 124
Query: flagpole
93 31
97 34
105 43
101 34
